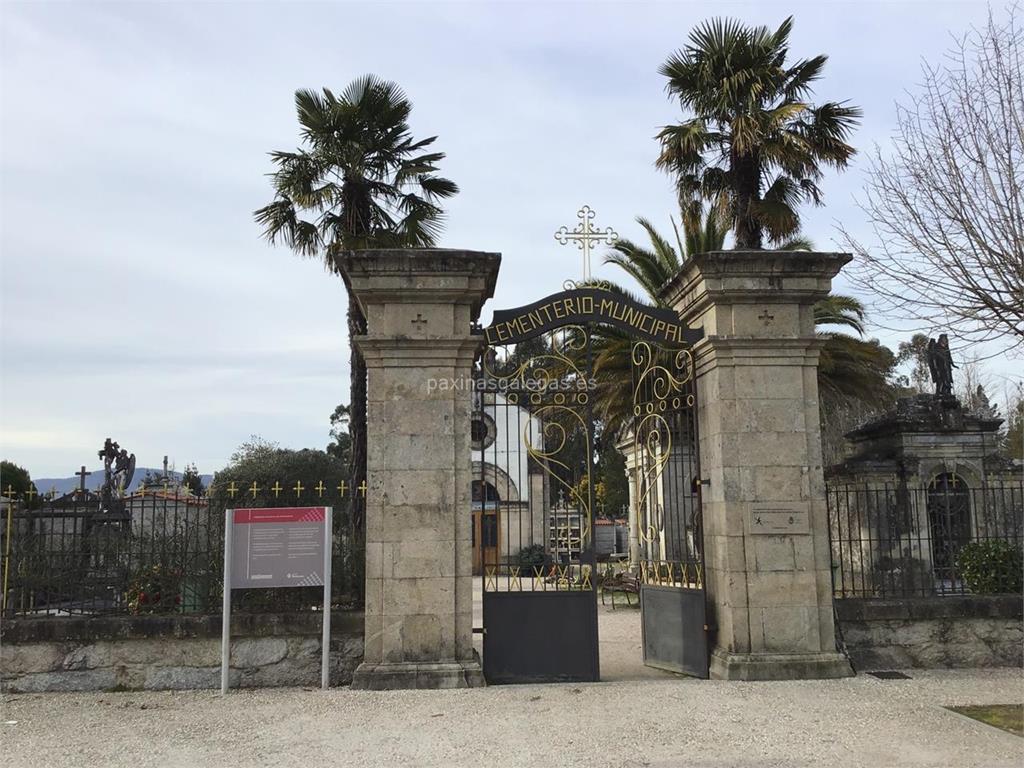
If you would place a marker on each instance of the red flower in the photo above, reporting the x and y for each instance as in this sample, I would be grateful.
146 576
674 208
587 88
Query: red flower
142 597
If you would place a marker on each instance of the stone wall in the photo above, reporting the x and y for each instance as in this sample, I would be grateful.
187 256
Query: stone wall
971 631
173 652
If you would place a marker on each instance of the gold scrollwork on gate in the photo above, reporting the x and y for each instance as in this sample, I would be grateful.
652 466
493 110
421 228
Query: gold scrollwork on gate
543 371
659 376
555 386
543 377
659 380
555 439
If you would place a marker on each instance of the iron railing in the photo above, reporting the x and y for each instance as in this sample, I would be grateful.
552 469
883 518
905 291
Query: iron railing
152 552
947 538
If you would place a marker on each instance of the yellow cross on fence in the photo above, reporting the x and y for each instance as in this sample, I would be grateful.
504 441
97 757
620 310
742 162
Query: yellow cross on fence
276 488
298 489
319 488
362 489
254 489
9 493
31 493
232 489
342 488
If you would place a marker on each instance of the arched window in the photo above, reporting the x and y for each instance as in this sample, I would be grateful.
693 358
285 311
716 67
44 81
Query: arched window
484 491
949 520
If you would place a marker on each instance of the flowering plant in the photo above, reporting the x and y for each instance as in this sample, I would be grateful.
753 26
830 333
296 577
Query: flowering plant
155 590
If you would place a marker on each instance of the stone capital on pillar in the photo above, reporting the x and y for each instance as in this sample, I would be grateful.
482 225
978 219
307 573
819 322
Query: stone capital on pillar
420 307
769 593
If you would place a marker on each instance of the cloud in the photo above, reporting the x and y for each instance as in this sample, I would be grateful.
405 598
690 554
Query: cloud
137 299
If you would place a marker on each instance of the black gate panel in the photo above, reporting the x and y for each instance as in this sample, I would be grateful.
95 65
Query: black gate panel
675 629
540 637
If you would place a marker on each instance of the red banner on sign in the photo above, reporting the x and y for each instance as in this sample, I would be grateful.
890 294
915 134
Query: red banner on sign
279 515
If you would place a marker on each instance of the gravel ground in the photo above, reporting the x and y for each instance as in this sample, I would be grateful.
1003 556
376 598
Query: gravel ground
666 722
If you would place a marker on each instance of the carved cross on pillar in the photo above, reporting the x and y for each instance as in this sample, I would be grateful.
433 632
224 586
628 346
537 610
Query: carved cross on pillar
765 318
419 321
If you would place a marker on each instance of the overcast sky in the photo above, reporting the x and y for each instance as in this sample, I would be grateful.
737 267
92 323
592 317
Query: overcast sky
138 300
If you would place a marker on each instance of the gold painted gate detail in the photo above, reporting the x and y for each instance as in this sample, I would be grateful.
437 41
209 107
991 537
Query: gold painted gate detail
665 467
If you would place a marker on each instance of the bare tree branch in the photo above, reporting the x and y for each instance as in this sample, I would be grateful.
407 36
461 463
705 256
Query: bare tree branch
946 205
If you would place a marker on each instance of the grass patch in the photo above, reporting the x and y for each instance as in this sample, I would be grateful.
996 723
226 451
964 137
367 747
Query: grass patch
1009 717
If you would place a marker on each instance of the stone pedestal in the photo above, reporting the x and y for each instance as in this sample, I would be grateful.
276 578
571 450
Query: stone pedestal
765 522
420 306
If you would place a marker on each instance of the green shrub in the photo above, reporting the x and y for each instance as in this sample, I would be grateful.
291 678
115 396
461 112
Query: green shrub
991 567
529 558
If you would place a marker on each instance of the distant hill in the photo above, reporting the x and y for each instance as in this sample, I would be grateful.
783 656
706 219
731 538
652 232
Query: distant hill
95 480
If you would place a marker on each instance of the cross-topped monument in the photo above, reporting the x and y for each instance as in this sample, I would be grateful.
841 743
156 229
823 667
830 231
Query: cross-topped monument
584 235
82 474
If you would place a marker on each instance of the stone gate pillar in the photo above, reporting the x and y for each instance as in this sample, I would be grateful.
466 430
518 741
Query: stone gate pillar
420 306
765 523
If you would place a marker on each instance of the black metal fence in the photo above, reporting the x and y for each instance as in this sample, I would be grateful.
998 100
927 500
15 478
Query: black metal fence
152 552
948 538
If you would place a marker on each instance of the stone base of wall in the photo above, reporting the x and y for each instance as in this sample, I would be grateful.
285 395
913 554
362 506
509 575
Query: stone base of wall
970 631
173 652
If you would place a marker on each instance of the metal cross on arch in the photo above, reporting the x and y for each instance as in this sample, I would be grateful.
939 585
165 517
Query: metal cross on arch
584 236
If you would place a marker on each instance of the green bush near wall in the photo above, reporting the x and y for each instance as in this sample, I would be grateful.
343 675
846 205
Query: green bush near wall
991 567
529 558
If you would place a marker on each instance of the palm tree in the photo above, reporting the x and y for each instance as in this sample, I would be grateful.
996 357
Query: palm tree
361 181
849 367
753 145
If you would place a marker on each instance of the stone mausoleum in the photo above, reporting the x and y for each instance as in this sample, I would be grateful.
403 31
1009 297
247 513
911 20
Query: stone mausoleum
917 485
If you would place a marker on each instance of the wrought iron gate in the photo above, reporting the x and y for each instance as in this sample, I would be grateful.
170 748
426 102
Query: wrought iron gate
534 434
665 468
533 415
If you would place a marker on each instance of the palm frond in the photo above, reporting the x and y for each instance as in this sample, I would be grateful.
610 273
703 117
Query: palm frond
836 309
360 169
748 125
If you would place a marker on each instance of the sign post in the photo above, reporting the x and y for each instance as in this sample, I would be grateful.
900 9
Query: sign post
225 630
277 547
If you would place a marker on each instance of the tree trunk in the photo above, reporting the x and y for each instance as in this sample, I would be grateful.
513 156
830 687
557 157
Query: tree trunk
356 205
747 188
357 418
